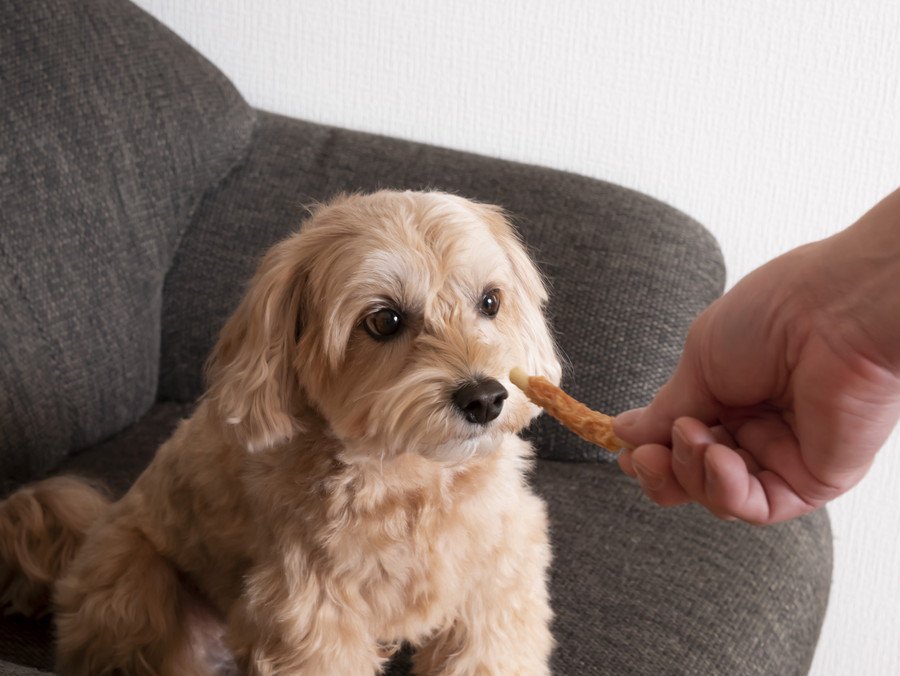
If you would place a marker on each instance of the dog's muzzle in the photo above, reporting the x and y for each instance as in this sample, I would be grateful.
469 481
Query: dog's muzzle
480 401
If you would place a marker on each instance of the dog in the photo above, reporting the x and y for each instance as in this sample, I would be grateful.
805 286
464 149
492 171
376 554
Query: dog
351 480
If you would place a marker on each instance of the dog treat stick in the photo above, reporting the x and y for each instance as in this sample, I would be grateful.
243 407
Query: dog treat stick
590 425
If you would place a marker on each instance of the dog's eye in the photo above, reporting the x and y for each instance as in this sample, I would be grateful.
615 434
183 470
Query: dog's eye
490 303
383 324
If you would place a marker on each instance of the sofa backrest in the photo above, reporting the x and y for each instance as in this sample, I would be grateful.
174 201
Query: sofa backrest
627 273
111 130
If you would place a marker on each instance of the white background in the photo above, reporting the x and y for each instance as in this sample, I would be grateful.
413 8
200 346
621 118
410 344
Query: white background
773 122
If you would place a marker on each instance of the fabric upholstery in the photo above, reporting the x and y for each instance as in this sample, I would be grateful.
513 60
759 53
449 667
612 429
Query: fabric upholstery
628 273
10 669
643 590
636 589
111 130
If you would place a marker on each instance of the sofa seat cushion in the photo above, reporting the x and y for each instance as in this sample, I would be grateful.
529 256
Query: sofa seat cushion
111 130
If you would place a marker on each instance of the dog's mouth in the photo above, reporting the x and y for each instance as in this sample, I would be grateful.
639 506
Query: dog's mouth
479 443
448 421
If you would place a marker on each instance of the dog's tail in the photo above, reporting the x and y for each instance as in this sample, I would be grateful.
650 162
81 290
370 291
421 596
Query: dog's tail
41 528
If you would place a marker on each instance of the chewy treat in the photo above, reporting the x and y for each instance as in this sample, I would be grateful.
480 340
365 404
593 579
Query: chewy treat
592 426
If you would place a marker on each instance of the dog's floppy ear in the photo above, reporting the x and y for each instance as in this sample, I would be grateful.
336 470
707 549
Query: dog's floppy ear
251 372
533 292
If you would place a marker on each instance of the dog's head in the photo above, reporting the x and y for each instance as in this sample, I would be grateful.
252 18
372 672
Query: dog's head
397 317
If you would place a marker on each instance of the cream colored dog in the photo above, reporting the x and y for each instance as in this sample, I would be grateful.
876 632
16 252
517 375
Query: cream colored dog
351 480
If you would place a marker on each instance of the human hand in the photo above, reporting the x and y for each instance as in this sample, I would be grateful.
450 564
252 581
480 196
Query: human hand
787 387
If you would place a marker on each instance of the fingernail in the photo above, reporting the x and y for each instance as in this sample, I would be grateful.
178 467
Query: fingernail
712 476
649 480
681 448
624 459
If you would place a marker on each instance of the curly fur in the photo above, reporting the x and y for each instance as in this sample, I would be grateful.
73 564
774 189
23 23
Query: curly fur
325 502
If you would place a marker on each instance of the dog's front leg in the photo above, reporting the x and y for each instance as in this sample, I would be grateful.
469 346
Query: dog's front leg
287 623
503 625
507 635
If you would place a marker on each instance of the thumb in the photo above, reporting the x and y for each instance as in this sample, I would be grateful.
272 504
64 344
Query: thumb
685 394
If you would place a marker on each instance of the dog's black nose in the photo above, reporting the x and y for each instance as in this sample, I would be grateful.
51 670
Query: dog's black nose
481 401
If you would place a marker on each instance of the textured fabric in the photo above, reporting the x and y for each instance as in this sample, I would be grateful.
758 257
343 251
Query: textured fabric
111 130
26 642
627 273
118 461
636 589
10 669
643 590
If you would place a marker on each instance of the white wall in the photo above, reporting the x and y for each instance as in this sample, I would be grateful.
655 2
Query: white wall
773 122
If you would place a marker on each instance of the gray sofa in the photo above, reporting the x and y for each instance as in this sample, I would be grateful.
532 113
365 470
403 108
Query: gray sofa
137 192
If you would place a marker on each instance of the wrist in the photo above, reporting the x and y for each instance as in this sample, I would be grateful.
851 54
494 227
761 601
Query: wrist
858 279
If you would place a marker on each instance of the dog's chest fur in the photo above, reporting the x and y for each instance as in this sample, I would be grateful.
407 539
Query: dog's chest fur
406 537
404 542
